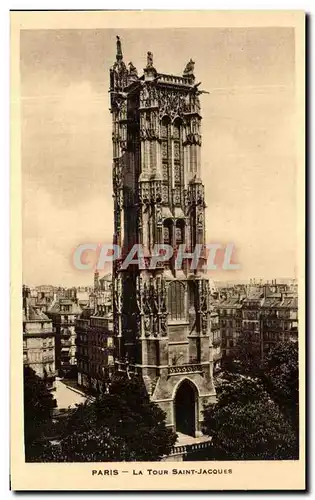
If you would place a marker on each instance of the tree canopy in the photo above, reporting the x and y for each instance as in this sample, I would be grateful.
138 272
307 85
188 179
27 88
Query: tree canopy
246 356
122 424
38 407
281 379
256 417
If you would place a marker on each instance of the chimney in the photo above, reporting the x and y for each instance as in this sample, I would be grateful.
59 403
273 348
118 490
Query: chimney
96 280
26 301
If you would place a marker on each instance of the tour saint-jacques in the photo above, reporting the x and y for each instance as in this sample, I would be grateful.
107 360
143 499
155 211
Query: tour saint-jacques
168 326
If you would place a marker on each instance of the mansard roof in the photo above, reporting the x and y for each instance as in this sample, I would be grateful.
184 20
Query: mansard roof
107 277
57 306
32 314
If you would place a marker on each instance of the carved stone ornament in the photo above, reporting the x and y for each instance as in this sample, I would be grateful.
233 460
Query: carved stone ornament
187 200
149 60
200 220
204 292
140 294
132 70
163 325
148 133
118 295
156 191
196 195
189 69
144 193
159 217
119 54
204 323
172 104
177 195
139 219
117 174
147 325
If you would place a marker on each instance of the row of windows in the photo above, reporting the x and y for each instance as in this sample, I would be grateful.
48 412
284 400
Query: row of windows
272 336
101 322
251 325
284 325
68 320
39 356
45 343
99 341
229 334
230 322
252 315
216 335
100 368
228 312
229 343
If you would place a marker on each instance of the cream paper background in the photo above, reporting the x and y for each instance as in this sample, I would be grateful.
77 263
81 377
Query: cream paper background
245 475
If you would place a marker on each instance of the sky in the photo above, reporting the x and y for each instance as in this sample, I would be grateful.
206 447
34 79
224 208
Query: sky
248 151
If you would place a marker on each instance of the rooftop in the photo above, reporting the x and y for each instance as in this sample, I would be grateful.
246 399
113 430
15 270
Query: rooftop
56 307
32 314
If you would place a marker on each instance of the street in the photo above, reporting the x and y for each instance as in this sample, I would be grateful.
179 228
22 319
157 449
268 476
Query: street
66 397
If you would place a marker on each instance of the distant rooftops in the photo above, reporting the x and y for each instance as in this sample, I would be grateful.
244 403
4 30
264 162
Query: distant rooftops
32 314
65 306
107 277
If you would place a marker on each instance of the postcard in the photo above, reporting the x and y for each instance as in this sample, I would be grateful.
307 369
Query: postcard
158 250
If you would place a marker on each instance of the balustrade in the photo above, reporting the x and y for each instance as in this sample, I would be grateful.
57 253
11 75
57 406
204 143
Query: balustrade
185 369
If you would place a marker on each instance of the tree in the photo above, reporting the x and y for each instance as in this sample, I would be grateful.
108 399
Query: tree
95 445
281 379
38 406
246 424
246 357
89 446
120 425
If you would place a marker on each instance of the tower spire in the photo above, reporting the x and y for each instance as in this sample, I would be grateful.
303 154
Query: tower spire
119 54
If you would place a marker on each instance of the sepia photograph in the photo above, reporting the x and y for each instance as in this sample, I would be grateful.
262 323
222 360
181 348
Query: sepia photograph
159 301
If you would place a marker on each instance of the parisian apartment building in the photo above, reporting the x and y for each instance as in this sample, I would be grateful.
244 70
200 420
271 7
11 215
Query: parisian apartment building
38 341
63 313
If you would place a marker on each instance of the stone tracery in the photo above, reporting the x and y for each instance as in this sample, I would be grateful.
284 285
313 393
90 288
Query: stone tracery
159 198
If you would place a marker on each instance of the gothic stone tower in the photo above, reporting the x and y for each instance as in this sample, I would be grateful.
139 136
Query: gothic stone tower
162 315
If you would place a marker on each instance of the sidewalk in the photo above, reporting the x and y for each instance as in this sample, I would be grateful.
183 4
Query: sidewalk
184 439
66 396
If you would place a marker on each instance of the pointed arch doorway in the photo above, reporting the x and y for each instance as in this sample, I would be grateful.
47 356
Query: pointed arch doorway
185 406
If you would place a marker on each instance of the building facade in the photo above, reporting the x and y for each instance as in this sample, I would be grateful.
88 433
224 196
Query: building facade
38 342
216 339
95 349
230 321
41 297
279 320
95 337
63 313
161 314
259 315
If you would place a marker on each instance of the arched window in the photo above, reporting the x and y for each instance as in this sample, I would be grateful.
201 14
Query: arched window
167 231
178 161
191 294
166 156
180 232
176 300
167 237
153 156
